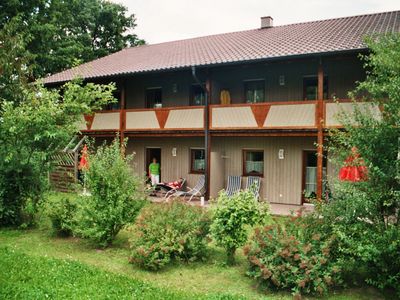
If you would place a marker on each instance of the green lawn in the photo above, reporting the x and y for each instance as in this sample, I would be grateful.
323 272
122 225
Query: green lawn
36 264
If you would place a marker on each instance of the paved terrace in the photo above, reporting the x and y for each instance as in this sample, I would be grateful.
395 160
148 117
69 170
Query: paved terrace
275 208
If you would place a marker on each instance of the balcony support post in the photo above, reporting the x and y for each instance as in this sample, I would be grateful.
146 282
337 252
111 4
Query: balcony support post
122 118
320 127
207 137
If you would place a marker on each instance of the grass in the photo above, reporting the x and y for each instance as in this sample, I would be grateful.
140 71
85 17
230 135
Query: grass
33 261
27 277
211 278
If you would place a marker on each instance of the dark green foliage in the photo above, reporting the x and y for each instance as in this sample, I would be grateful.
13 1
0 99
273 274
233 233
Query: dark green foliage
61 211
167 232
116 195
294 256
59 33
232 217
365 216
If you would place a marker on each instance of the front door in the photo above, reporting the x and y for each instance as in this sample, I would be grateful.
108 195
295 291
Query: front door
309 186
150 154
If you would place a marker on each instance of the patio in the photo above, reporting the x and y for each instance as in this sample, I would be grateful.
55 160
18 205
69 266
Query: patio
276 208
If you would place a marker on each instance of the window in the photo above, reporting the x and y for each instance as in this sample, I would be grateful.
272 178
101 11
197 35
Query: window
310 88
197 160
253 163
254 91
115 105
154 98
310 174
198 96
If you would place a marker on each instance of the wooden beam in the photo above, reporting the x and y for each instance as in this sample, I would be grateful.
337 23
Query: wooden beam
208 135
122 117
320 136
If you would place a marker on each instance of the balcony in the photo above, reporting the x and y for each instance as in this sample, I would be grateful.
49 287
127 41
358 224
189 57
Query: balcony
295 115
278 115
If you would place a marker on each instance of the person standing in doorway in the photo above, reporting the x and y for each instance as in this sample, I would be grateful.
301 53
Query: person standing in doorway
154 172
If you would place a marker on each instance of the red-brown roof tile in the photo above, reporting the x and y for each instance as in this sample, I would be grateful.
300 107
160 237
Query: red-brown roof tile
333 35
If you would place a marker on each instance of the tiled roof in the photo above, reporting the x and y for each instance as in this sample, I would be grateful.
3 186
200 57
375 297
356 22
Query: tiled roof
333 35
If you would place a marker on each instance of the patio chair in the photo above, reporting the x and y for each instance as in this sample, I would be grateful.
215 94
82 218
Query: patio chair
234 185
174 190
191 192
253 184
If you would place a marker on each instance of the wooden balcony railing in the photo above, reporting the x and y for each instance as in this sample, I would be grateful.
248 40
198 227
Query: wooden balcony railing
294 115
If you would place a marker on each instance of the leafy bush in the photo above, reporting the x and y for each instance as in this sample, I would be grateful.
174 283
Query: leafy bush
31 132
169 231
294 256
231 218
60 210
116 195
366 241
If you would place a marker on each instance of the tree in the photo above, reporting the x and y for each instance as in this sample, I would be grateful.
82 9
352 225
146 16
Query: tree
377 139
14 63
63 33
365 216
116 195
31 132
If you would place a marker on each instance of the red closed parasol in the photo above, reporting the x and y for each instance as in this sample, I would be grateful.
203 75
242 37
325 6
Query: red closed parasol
84 162
354 169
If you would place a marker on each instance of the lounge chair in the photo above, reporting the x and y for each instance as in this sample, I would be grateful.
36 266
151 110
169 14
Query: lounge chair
174 190
234 185
253 184
191 192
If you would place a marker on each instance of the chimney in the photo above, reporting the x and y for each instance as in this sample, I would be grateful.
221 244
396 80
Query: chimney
267 22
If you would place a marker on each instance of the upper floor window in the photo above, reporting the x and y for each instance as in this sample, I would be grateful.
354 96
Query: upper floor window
253 163
115 105
198 95
254 91
197 160
310 88
154 97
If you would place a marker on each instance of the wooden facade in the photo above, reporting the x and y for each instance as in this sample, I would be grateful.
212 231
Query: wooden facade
283 122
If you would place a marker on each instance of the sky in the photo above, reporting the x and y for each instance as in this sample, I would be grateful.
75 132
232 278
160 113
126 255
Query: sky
168 20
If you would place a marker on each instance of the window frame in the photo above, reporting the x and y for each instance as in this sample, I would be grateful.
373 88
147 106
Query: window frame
244 154
191 161
146 96
315 77
247 81
192 86
304 166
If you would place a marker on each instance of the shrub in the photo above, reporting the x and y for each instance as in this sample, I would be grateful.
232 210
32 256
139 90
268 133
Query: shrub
32 131
169 231
116 196
295 256
231 218
60 210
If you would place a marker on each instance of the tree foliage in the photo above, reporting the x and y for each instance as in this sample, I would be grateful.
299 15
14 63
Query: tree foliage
365 216
31 132
61 33
116 195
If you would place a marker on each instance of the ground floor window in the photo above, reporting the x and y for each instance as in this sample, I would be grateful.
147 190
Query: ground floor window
253 162
197 160
310 174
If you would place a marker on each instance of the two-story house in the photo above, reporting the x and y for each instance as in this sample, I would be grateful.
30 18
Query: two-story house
254 102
